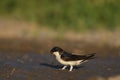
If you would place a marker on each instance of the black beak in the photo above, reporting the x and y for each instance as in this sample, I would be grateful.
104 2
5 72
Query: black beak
51 51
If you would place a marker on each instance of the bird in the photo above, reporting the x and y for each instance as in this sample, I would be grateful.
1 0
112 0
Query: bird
70 59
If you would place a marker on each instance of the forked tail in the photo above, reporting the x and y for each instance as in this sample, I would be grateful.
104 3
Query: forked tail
90 56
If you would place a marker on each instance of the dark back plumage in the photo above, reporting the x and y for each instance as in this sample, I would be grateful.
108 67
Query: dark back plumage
72 57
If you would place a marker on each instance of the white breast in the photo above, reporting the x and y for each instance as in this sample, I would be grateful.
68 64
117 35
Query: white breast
58 57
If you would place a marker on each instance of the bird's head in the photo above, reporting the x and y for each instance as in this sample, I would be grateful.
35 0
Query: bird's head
56 49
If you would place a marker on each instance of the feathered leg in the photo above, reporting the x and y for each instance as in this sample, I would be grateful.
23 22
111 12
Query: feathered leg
71 67
64 67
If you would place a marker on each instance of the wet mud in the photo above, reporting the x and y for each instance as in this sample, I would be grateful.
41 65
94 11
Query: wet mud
33 66
18 62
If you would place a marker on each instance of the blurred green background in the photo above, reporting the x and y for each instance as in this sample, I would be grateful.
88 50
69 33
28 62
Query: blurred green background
78 15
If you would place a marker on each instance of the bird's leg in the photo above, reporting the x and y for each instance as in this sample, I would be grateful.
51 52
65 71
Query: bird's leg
71 67
64 67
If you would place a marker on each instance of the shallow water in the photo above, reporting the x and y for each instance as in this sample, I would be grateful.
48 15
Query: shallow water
34 66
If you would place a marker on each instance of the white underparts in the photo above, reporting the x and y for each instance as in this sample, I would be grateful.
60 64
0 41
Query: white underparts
66 63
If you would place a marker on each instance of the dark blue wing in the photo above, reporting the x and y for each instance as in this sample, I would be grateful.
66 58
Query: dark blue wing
72 57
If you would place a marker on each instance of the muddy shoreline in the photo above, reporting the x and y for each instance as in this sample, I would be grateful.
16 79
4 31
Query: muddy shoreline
33 66
30 60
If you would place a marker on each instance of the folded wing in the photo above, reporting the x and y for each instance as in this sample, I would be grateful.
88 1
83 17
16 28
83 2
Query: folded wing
72 57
